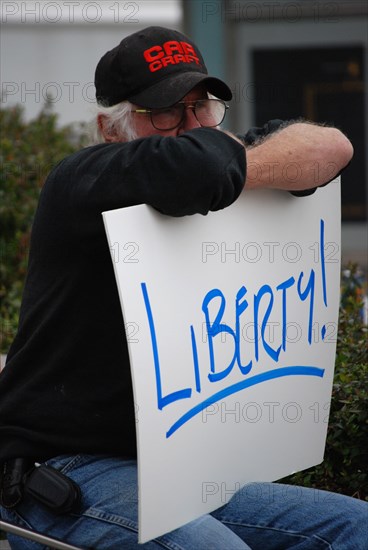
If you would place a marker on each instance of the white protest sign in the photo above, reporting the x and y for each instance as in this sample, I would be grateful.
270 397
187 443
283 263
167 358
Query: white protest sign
231 321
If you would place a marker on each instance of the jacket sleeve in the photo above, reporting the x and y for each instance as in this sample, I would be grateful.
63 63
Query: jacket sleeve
255 135
200 171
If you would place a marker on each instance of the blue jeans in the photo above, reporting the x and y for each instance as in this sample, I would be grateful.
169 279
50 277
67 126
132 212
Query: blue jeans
261 516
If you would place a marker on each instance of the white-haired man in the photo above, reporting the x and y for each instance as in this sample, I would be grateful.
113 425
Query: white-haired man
65 394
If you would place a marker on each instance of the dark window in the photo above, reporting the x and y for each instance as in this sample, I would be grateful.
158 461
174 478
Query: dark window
321 84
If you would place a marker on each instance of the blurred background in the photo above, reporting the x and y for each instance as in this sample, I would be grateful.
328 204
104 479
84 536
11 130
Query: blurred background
282 59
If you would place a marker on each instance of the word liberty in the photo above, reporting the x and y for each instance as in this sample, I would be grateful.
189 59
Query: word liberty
303 288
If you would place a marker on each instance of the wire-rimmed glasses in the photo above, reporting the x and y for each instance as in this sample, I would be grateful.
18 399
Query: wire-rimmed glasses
209 113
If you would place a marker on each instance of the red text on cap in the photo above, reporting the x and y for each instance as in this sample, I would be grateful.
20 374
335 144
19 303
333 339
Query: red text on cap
170 53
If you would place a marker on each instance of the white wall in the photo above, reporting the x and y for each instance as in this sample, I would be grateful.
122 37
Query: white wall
53 48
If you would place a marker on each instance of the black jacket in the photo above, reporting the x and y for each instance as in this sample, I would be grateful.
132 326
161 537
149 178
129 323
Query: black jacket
66 387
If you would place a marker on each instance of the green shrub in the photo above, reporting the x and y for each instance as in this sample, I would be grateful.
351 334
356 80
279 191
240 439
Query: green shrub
28 151
344 469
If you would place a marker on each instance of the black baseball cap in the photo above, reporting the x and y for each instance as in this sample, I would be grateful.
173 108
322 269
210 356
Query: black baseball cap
154 68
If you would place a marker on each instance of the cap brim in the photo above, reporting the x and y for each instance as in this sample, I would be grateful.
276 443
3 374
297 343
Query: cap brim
174 88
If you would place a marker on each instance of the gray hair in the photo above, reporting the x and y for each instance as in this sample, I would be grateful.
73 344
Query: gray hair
118 120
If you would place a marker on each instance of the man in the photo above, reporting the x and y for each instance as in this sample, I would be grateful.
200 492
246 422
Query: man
65 394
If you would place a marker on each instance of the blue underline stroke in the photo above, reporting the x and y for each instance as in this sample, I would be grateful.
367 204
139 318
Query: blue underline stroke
239 386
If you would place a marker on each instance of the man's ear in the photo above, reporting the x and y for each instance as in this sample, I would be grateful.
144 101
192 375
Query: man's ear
108 131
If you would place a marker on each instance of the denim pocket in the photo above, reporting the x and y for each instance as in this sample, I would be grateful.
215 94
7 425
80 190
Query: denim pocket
66 463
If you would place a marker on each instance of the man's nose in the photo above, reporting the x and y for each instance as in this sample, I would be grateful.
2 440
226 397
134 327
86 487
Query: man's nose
189 120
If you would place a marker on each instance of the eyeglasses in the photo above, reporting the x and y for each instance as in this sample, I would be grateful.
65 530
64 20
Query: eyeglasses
208 112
